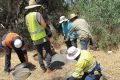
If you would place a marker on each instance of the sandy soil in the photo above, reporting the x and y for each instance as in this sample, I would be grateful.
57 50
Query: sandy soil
110 64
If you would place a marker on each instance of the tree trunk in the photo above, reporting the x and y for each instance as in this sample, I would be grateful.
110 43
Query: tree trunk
9 7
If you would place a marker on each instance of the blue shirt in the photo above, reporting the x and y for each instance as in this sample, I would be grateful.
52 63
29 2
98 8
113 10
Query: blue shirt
65 29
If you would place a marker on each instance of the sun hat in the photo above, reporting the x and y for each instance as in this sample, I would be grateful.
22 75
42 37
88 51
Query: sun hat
73 53
32 4
62 18
72 15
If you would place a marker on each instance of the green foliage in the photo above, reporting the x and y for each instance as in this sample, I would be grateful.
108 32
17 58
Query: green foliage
108 41
102 16
97 31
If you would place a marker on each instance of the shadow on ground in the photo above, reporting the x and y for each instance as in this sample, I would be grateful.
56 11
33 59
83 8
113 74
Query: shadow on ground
57 65
29 65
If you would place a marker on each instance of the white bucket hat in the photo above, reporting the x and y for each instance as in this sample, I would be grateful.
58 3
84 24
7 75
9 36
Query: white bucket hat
73 53
62 18
18 43
32 4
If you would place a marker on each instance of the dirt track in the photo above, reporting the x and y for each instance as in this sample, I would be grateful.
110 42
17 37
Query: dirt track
110 64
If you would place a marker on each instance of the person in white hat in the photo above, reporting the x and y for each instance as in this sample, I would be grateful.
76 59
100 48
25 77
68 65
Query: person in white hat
86 67
83 30
13 41
36 26
65 25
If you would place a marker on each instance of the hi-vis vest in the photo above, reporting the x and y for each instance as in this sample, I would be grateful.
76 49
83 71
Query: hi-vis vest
34 27
86 63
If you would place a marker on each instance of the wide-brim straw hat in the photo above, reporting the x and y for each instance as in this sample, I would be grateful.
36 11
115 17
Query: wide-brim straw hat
32 4
62 18
72 15
73 53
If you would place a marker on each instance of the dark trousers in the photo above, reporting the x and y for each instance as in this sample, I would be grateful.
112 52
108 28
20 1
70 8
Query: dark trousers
20 54
48 56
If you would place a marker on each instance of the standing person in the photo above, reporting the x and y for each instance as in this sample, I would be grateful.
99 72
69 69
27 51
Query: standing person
65 24
83 30
86 67
11 41
36 27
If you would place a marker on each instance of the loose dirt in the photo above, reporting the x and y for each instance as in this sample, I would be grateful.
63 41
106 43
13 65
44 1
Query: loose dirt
110 64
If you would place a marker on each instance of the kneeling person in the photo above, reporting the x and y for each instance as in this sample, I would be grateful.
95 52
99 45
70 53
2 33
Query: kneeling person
86 68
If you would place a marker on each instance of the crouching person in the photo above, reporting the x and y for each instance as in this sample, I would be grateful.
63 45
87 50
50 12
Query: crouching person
86 68
13 41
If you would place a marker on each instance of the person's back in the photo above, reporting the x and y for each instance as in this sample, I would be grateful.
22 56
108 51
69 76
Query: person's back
66 26
87 61
82 27
36 31
7 38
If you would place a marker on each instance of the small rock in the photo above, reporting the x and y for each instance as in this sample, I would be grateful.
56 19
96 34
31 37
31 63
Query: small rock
109 52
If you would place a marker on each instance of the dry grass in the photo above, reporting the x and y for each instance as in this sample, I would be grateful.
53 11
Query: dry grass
110 64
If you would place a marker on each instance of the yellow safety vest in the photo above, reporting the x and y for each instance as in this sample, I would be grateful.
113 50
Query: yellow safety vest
85 63
34 27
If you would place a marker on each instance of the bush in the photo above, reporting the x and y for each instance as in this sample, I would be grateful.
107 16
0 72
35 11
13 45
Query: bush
102 15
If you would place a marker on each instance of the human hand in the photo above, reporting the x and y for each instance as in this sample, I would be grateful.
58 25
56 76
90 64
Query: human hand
66 38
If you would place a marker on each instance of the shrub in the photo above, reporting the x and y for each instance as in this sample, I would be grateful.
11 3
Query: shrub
102 15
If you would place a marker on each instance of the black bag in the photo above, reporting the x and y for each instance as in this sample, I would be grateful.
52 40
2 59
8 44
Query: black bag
48 31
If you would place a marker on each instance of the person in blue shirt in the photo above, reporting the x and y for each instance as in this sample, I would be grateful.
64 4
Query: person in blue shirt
65 25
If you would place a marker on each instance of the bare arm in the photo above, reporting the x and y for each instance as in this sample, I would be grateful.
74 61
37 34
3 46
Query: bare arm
41 20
